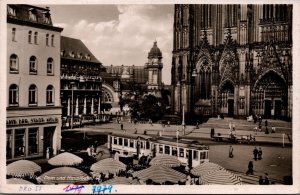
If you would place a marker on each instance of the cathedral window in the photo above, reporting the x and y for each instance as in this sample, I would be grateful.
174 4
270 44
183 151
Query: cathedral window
205 80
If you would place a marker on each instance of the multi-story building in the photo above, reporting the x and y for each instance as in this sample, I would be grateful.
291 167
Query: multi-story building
120 81
80 83
33 122
234 60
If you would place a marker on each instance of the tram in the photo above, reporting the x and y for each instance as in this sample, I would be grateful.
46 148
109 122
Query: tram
79 121
189 152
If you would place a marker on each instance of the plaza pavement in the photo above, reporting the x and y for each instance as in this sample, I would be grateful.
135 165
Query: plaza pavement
243 128
277 160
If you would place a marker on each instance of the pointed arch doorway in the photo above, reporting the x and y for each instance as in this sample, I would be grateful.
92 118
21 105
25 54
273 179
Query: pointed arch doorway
226 98
269 97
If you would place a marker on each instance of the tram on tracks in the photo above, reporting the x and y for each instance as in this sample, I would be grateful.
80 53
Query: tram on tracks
189 152
79 121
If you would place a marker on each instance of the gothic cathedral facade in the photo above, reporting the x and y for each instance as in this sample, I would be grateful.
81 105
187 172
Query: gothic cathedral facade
233 60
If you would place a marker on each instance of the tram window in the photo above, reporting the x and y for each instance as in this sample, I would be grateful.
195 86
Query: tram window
115 140
174 151
142 144
131 143
181 152
147 145
167 149
186 153
125 142
195 154
120 141
161 149
202 155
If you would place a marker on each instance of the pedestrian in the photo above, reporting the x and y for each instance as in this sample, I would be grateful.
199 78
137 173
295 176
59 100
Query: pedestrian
197 125
259 153
261 180
266 179
212 132
255 152
230 151
230 126
250 168
267 130
255 130
266 123
121 126
273 129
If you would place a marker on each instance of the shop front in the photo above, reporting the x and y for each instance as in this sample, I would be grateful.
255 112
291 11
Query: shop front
32 136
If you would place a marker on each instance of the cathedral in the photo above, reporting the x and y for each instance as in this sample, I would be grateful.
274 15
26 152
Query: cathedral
232 60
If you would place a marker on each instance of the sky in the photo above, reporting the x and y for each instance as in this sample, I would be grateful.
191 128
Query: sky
120 34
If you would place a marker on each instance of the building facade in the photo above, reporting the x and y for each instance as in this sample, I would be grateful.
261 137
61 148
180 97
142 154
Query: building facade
121 81
33 123
81 83
234 60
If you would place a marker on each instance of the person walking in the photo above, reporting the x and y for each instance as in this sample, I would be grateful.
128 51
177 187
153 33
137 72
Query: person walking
250 168
212 132
230 151
122 126
255 152
266 179
259 153
261 180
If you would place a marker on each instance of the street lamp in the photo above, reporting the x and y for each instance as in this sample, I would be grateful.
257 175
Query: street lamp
72 104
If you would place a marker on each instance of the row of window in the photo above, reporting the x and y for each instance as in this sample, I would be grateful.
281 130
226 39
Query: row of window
49 40
32 95
21 136
14 65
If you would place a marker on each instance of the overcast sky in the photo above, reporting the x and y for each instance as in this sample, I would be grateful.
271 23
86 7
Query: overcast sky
120 34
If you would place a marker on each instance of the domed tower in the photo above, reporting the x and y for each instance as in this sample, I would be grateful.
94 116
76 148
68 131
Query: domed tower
154 66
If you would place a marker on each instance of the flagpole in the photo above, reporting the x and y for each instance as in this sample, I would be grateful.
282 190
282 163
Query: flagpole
182 115
183 122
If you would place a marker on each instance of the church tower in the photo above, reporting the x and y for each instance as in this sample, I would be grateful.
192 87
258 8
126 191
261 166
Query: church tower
232 60
154 67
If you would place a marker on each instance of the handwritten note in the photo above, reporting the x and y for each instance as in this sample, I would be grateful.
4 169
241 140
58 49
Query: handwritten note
102 189
73 188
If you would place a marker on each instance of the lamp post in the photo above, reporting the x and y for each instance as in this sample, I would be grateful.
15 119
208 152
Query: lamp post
72 104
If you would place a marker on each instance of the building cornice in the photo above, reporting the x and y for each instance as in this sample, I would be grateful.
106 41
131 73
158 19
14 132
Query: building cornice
34 108
32 24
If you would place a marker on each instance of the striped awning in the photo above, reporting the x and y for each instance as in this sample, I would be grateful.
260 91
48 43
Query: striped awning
65 159
60 175
166 160
220 177
22 168
108 165
204 168
160 174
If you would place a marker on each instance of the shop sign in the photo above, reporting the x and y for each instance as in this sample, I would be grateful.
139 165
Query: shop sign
32 120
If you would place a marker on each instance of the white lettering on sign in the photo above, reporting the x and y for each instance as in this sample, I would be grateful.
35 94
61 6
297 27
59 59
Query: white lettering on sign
23 121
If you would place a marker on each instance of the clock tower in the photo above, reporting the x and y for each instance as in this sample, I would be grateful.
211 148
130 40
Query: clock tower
154 67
